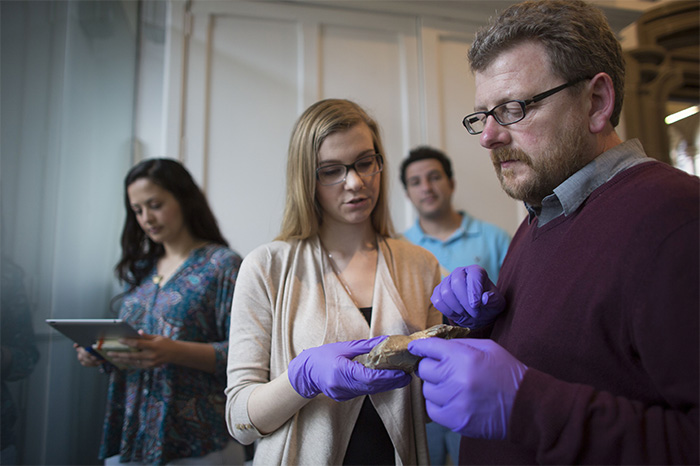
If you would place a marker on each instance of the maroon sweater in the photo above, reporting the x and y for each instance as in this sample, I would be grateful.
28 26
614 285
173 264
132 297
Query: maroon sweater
603 308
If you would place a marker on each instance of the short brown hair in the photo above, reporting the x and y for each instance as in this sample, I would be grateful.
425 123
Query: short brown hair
423 153
302 213
575 34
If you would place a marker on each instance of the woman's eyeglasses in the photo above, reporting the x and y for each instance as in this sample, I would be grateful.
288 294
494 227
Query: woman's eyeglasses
366 166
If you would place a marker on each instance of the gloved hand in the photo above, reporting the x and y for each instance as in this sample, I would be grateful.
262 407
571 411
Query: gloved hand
328 369
468 297
469 384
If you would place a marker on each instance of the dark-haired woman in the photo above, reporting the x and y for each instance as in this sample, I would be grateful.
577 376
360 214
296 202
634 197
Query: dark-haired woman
167 405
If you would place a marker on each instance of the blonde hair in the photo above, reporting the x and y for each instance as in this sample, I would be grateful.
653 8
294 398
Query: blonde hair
302 213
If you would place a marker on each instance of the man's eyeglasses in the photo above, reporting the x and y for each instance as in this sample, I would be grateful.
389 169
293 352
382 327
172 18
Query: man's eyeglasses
366 166
509 112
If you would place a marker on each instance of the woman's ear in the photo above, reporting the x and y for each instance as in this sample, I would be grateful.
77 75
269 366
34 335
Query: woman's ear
602 95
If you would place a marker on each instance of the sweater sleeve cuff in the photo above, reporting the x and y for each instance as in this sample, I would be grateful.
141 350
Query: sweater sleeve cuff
239 424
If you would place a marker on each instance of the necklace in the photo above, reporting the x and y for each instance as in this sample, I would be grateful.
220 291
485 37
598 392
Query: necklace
165 272
338 274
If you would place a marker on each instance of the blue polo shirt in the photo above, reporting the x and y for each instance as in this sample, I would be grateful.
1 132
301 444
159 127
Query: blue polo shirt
474 242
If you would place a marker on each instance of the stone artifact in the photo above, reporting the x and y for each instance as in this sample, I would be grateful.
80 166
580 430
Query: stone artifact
392 353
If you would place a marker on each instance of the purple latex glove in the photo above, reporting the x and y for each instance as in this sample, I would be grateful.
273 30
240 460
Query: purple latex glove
328 369
468 297
469 384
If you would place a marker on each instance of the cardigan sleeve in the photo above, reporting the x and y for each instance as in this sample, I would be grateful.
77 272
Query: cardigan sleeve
249 343
228 264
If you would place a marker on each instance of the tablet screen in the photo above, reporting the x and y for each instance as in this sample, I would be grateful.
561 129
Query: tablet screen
87 332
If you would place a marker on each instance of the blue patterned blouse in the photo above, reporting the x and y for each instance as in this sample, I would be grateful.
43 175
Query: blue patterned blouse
168 412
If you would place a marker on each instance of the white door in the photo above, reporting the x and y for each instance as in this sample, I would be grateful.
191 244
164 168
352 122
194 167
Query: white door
248 71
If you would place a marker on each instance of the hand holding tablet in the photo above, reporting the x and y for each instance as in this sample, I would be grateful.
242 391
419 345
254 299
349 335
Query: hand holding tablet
97 336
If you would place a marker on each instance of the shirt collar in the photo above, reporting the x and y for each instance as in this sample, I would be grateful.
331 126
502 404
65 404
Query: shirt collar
569 195
467 227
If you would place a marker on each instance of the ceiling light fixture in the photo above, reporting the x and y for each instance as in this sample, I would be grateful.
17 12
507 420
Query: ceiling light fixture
685 113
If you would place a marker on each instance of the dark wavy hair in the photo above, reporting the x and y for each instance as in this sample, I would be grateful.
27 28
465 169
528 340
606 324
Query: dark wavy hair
139 252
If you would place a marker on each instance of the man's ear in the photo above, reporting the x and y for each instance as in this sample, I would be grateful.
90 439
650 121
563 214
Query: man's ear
602 95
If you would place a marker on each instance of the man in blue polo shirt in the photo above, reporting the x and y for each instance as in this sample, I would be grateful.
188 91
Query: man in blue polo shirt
455 238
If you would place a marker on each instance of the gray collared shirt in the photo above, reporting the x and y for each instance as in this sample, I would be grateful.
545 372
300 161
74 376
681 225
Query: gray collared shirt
569 195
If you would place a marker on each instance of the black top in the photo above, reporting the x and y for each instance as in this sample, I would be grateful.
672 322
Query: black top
370 442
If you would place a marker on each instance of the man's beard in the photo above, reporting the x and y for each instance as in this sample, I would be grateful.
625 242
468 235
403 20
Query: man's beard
565 156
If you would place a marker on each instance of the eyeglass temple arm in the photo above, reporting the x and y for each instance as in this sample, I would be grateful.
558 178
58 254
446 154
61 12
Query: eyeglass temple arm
539 97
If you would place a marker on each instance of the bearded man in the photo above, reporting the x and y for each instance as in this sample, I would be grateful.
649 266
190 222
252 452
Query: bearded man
592 345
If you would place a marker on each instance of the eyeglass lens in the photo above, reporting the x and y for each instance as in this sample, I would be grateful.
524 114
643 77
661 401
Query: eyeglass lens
505 114
336 173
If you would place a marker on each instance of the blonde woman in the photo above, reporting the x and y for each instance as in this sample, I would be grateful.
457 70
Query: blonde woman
325 291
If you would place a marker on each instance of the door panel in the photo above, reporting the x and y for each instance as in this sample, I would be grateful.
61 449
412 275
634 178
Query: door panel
254 73
250 70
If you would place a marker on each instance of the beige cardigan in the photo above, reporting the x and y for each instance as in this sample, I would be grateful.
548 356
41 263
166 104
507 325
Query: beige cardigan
287 299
